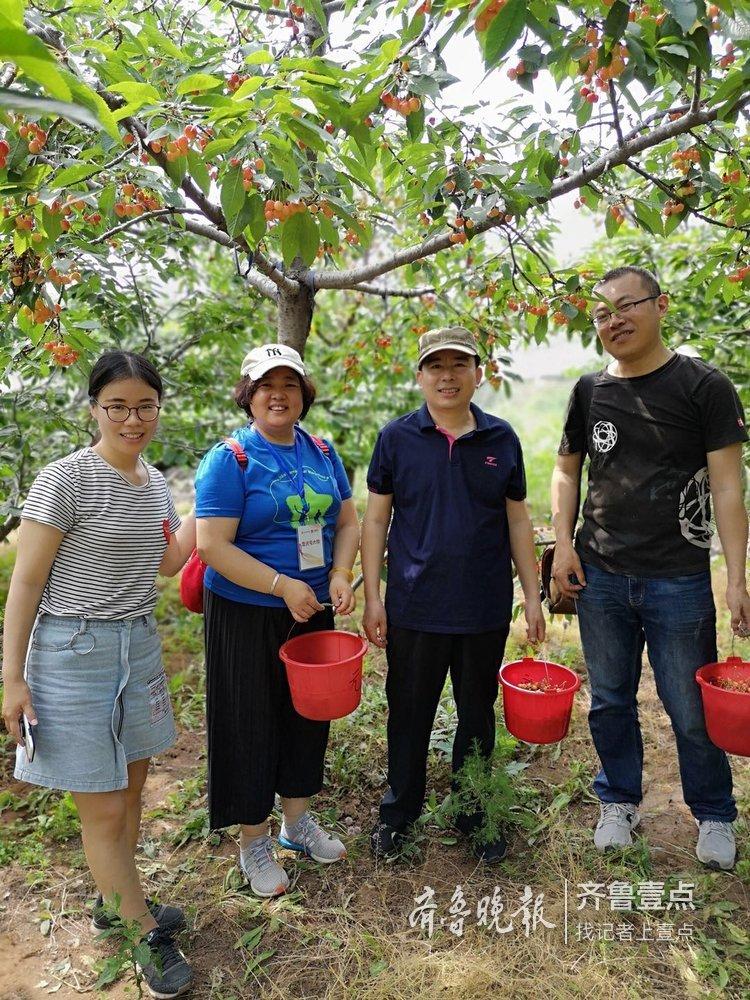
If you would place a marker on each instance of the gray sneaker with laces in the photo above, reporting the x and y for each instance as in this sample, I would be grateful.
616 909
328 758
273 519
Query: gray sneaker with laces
617 820
716 846
265 875
308 837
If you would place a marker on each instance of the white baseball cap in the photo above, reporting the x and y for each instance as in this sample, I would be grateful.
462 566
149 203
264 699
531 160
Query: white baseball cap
262 359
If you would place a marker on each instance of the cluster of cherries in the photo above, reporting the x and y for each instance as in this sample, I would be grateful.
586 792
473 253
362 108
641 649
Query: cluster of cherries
737 684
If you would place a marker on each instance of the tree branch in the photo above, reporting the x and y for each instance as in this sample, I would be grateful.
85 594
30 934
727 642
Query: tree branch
157 213
693 211
274 11
635 144
394 293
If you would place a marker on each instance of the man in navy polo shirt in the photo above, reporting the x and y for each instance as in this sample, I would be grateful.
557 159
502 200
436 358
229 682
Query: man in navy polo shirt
452 479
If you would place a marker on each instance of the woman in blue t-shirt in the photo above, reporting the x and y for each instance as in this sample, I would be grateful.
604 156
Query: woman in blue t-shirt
279 536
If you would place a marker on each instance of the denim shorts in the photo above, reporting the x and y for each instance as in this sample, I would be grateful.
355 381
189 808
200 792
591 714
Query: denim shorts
101 699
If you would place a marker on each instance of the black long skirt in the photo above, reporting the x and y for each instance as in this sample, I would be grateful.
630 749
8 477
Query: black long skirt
257 743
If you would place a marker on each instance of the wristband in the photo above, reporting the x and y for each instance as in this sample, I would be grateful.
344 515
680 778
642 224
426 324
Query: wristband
342 569
275 581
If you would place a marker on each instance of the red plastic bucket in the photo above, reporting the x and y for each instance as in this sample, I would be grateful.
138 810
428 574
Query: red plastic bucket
324 670
727 713
537 716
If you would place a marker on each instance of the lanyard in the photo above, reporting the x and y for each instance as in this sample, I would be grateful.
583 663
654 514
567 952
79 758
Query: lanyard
296 476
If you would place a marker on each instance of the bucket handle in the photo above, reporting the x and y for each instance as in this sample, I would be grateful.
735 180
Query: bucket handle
326 604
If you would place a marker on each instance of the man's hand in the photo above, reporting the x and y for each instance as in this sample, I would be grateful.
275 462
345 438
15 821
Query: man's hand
375 623
738 602
536 628
565 565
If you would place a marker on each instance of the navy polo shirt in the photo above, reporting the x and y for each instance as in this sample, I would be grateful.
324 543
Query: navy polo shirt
449 566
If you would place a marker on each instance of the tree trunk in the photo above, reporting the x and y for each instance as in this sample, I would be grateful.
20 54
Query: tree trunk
294 318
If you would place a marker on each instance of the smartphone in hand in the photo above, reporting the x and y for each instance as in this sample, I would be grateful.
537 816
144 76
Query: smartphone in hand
27 734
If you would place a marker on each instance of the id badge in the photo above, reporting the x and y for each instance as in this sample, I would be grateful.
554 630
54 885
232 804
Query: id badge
310 546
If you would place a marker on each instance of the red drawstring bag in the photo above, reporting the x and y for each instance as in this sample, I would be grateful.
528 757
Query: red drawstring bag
191 579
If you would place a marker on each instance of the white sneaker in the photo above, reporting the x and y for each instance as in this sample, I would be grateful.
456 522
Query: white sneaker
617 821
716 845
265 875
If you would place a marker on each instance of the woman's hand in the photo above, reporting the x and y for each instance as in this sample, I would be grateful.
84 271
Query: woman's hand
342 596
17 700
299 598
536 628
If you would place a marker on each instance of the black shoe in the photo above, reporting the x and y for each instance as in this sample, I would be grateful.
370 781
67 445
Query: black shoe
169 918
385 841
167 974
492 853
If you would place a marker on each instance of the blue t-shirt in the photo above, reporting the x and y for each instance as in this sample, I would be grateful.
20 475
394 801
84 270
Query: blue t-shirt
449 566
265 499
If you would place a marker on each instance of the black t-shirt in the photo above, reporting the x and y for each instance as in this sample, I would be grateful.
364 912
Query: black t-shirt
647 510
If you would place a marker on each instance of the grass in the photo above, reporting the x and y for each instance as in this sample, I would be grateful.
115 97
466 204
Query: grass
343 932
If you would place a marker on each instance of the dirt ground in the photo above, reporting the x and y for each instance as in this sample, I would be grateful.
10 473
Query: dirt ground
359 901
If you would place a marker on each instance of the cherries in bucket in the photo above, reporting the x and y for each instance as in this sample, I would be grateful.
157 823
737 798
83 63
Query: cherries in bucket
725 689
537 699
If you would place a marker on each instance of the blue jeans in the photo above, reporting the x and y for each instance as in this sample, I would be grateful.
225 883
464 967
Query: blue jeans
675 618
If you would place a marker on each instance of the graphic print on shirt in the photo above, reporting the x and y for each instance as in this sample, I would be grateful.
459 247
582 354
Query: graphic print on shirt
604 436
694 510
289 504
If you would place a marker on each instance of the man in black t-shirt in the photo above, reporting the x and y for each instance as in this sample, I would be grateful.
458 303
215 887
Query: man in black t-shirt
664 435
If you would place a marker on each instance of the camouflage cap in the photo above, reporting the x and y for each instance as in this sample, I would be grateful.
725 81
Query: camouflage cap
447 338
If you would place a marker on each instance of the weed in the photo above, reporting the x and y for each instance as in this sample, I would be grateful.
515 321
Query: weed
487 791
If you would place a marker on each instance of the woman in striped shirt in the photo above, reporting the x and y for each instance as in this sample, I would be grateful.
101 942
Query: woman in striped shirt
82 658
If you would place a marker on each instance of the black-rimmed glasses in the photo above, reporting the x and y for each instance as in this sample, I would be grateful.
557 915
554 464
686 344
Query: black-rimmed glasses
604 317
119 413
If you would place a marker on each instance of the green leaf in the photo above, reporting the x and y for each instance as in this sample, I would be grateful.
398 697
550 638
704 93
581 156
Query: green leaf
248 87
85 95
675 50
259 58
142 953
299 237
51 223
198 82
256 228
611 225
617 20
685 12
23 100
504 32
415 124
649 217
71 175
137 94
198 171
176 169
232 197
32 57
218 146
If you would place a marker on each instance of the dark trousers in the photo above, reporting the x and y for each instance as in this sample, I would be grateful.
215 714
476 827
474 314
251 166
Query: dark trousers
418 664
257 744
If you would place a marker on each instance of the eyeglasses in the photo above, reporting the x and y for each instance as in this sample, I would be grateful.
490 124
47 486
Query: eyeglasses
604 317
119 413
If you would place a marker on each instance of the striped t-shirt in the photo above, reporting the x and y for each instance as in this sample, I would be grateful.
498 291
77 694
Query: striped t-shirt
114 536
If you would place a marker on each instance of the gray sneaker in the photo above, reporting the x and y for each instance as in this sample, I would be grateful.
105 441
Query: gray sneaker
716 846
265 875
311 839
617 821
